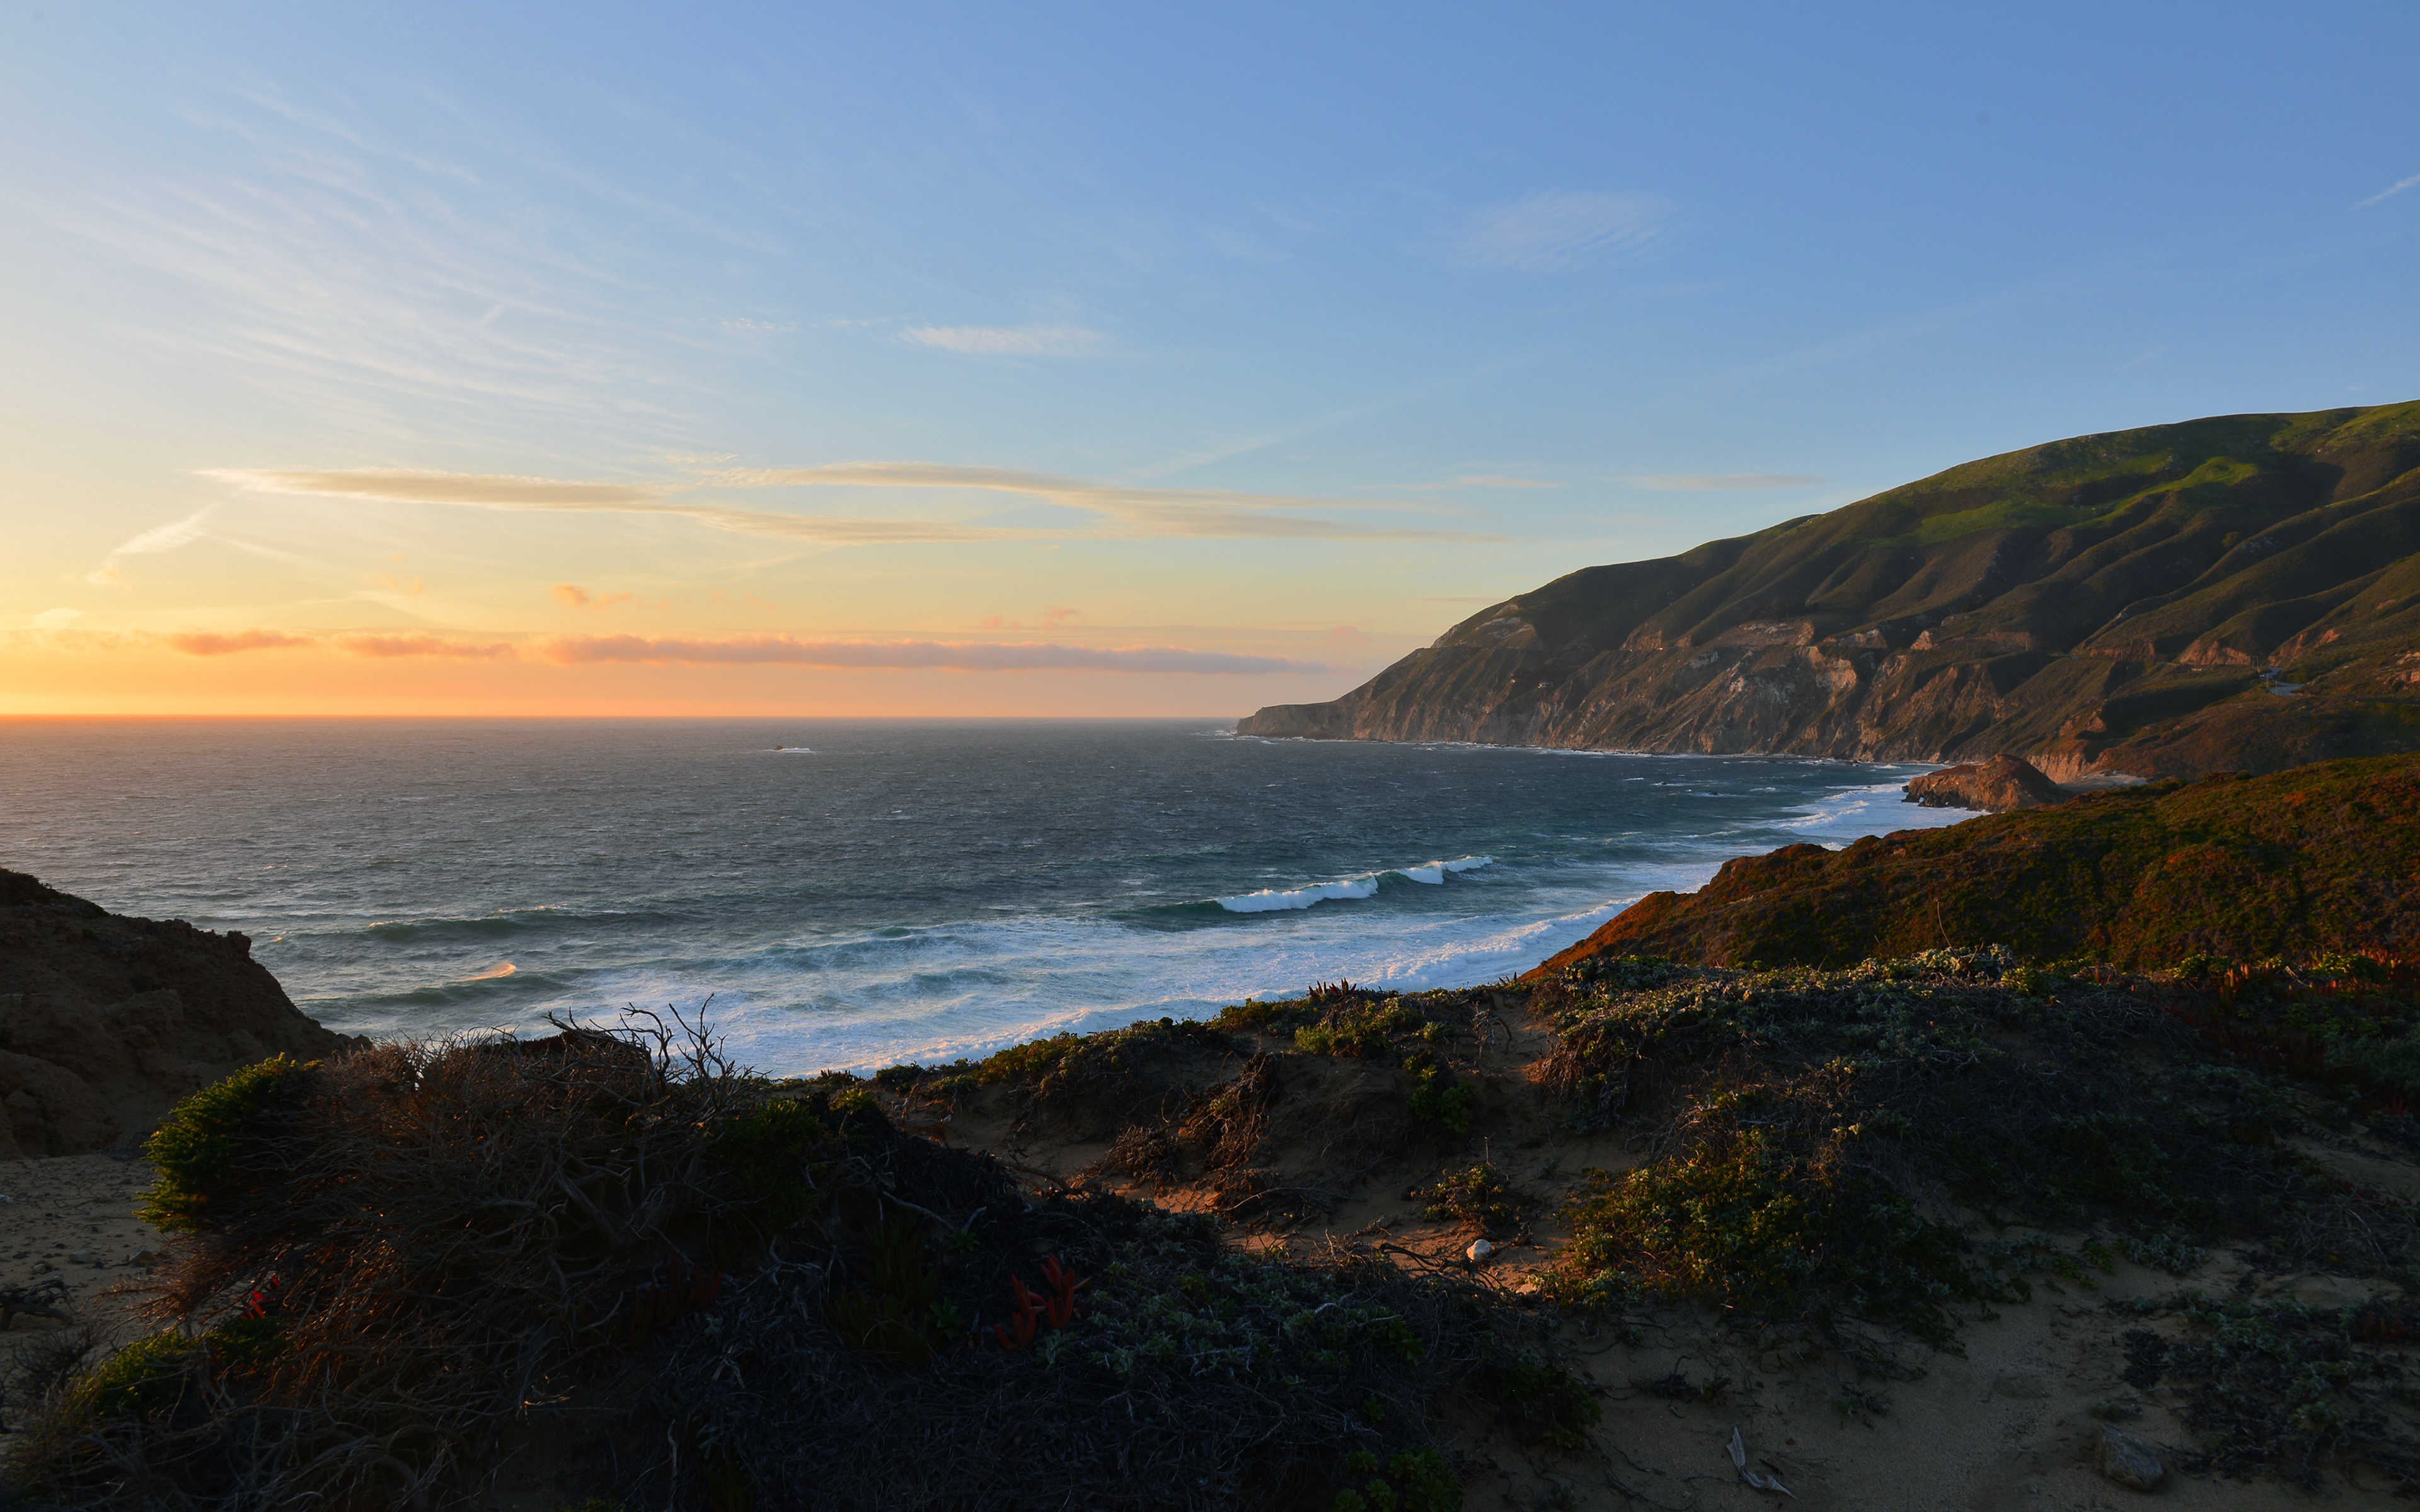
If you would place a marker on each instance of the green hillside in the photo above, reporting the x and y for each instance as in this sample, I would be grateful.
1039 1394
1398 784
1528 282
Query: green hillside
2319 861
2237 591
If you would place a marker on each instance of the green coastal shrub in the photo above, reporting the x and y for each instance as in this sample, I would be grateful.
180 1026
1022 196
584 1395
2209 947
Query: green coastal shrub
1416 1480
2392 1066
144 1379
1800 1116
195 1148
1745 1219
1437 1098
1476 1195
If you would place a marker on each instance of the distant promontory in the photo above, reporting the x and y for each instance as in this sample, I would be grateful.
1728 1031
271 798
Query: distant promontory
2240 593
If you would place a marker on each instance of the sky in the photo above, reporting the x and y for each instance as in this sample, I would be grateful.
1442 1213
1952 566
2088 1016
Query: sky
1062 360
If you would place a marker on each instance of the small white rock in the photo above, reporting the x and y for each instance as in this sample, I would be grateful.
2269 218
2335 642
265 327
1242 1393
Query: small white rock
80 1256
2129 1461
1479 1249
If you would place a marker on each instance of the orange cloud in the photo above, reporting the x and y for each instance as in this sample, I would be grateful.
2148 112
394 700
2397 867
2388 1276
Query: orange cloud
415 643
204 643
571 596
1054 616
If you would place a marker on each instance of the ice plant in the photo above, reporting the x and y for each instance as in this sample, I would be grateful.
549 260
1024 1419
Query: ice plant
1062 1283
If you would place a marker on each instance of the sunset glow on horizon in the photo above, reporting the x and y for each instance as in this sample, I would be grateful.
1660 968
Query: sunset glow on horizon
924 362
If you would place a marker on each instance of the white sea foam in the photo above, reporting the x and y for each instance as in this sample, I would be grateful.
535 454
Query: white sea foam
1272 899
1876 809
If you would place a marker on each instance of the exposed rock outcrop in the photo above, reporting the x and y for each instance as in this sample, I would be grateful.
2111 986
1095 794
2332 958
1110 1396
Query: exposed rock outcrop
2118 602
106 1022
1996 786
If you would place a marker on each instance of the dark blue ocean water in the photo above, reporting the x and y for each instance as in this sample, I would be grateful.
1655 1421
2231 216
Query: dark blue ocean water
854 892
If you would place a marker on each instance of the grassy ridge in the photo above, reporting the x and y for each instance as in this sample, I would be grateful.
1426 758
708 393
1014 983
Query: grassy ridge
2300 864
2106 601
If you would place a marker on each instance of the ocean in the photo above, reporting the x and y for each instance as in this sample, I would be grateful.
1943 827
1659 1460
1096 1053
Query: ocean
854 892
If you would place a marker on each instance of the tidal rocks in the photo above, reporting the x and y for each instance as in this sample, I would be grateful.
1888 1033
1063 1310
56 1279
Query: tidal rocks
1995 786
106 1022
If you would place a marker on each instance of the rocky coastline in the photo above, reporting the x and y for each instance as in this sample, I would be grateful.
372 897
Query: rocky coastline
1870 1178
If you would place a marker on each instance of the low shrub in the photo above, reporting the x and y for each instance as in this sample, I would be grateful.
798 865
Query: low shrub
1816 1133
1477 1195
717 1290
194 1149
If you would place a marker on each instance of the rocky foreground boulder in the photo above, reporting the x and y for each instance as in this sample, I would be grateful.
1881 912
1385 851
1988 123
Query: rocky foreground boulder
2000 785
106 1022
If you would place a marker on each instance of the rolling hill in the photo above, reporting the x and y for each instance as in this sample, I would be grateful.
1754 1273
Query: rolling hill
2234 593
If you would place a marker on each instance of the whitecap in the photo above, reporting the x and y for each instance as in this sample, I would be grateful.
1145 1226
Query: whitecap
1272 899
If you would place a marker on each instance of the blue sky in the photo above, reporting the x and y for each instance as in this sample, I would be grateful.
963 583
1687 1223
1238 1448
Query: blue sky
570 353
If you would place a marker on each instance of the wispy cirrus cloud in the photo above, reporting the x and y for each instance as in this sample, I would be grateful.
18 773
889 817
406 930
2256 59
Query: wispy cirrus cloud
956 655
549 496
1561 230
775 649
1133 512
1007 341
158 538
2389 192
1203 512
1723 482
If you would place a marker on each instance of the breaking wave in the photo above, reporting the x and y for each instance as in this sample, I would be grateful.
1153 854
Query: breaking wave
1271 899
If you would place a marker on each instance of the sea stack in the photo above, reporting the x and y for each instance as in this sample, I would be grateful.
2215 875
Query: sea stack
1994 786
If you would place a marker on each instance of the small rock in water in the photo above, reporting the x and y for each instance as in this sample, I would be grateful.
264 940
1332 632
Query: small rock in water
1479 1249
2129 1461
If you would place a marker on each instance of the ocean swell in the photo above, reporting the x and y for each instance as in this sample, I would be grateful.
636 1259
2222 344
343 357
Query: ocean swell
1271 899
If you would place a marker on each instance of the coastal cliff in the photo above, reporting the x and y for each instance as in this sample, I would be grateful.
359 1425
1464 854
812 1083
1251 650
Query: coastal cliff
107 1021
2295 865
2240 593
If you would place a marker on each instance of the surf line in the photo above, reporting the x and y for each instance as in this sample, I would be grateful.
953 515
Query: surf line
1270 900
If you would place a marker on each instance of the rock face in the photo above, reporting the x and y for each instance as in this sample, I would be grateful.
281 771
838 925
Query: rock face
106 1022
2294 864
2136 602
1996 786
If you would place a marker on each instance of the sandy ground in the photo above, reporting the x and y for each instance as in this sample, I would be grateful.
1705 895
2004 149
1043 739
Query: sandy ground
70 1219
